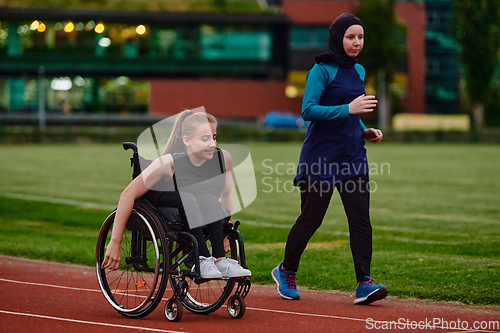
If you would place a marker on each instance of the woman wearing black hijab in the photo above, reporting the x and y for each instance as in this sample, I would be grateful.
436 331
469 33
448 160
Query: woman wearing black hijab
333 156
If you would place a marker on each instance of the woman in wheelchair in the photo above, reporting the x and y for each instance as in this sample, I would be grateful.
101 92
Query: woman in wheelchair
204 186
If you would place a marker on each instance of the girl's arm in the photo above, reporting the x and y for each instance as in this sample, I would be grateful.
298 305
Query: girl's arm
226 197
162 167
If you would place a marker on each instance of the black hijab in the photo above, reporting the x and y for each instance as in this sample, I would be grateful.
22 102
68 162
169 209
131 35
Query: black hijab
336 41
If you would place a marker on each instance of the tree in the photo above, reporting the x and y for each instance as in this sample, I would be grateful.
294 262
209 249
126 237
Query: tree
384 45
477 29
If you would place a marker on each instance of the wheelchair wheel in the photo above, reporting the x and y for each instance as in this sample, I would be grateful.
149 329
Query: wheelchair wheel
236 306
203 296
173 310
136 288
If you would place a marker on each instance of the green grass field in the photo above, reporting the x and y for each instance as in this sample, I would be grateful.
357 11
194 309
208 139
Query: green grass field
435 214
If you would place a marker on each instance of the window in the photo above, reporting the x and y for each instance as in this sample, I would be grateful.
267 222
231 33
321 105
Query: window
308 37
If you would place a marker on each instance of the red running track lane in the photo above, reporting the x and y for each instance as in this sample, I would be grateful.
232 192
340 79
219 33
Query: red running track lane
39 296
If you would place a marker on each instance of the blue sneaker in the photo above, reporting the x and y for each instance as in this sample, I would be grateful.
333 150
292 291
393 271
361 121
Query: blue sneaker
287 287
368 292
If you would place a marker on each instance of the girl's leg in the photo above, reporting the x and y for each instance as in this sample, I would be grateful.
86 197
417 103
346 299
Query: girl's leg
195 218
211 209
315 201
355 194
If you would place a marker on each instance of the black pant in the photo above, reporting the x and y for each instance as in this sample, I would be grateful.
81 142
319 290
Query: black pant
355 195
200 211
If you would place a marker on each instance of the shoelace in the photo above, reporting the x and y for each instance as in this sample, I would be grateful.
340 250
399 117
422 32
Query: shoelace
290 280
207 265
231 261
369 283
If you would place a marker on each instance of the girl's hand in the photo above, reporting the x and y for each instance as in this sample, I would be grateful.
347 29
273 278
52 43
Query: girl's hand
372 134
363 104
112 256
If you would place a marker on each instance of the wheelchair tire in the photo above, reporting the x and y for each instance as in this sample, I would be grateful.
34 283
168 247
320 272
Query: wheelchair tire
137 287
236 306
210 295
173 310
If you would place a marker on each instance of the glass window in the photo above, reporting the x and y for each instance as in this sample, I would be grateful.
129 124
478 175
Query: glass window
101 39
307 37
239 43
87 38
77 94
4 33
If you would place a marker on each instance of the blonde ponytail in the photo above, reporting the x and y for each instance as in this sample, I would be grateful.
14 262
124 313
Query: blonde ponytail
185 124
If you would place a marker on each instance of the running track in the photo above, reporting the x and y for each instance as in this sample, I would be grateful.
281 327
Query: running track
38 296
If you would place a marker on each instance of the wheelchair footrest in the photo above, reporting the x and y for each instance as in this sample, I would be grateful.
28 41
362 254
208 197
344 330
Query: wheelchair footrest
243 287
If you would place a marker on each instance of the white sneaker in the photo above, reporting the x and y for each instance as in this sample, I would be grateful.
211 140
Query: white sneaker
230 268
208 270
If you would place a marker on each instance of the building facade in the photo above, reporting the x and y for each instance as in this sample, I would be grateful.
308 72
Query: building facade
234 65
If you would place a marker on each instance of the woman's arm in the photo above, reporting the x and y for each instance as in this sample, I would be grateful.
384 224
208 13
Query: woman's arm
317 79
363 127
162 167
373 134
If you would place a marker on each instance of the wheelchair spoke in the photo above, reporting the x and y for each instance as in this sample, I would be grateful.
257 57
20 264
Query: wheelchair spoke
204 296
137 287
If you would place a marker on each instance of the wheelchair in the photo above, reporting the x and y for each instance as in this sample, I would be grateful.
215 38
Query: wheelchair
157 248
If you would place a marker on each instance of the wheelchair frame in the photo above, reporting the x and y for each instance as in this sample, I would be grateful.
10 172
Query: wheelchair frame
156 240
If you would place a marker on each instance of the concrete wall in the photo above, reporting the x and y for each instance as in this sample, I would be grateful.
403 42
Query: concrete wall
223 98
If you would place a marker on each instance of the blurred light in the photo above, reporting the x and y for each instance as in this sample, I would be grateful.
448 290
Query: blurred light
79 81
34 25
141 30
291 92
41 27
58 26
79 26
126 33
122 80
90 25
62 83
104 42
69 27
23 29
99 28
3 34
113 32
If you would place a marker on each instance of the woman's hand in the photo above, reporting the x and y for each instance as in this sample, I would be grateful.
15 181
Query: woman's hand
112 256
363 104
372 134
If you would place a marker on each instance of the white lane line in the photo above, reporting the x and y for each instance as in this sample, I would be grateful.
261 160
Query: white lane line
92 205
71 288
341 233
77 203
307 314
88 322
373 321
249 308
48 285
